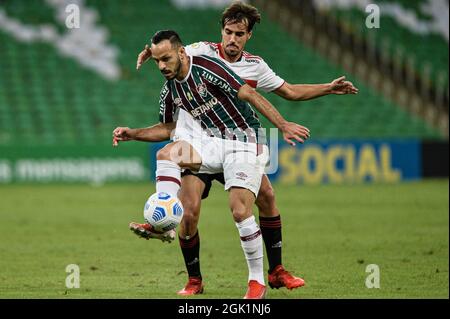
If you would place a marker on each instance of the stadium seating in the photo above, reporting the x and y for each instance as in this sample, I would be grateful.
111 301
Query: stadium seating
49 98
424 43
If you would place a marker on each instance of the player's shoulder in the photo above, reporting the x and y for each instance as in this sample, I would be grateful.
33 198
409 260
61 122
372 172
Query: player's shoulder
204 45
212 45
210 64
201 59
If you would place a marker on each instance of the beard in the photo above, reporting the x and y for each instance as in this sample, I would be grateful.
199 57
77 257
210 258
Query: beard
171 75
232 51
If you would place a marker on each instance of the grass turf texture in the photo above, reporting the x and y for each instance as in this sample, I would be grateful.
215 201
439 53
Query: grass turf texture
330 234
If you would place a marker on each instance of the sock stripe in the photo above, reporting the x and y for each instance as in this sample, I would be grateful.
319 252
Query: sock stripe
189 243
270 224
252 236
168 179
272 227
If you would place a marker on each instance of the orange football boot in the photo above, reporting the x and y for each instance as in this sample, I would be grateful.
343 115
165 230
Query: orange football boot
255 290
280 277
193 287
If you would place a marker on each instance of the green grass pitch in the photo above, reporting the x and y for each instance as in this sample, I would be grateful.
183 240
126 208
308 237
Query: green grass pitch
330 234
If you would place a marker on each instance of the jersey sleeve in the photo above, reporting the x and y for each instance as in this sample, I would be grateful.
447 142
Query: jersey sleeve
268 81
167 108
198 48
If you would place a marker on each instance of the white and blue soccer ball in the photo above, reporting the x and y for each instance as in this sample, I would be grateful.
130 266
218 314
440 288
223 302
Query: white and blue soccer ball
163 211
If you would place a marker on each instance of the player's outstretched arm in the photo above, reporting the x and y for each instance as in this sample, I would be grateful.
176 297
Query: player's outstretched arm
303 92
291 131
143 57
156 133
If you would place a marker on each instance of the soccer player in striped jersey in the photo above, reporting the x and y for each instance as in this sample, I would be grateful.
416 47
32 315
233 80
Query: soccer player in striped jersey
233 141
237 25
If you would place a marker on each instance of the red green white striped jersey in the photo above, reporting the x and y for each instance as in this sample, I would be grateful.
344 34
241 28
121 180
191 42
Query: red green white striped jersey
251 68
209 93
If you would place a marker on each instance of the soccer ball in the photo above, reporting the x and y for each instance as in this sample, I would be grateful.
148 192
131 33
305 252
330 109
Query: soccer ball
163 212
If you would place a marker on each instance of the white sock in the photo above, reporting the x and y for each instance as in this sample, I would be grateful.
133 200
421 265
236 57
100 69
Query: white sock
252 245
168 177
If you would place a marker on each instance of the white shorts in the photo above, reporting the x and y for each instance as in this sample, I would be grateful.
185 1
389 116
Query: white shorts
242 163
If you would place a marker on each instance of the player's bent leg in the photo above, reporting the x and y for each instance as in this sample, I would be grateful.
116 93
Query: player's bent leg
190 195
241 201
270 223
181 153
170 159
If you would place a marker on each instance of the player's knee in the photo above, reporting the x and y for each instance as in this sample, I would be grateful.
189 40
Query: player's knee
240 213
164 153
191 211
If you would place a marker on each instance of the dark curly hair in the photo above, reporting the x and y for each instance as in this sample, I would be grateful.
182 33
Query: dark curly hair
241 12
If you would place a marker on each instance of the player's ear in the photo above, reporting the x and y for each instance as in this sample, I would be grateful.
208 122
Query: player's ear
249 35
181 53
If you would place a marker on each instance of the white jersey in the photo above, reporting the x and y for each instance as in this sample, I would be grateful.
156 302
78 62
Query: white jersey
252 69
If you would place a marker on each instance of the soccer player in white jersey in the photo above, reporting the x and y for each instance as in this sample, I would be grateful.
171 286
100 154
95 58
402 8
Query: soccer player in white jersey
233 141
237 24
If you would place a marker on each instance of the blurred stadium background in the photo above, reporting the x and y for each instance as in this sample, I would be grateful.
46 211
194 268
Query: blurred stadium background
66 195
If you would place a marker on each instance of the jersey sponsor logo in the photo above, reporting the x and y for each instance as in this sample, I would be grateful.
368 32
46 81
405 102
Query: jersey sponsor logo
249 60
202 90
204 107
189 96
216 81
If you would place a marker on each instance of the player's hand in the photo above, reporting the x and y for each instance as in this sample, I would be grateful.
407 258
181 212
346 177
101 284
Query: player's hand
294 132
340 86
144 56
121 134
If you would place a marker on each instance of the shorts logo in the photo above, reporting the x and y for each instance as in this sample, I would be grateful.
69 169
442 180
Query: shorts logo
241 175
178 102
202 90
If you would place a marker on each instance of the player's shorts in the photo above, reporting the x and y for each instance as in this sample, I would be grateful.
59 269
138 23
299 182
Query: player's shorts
241 163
